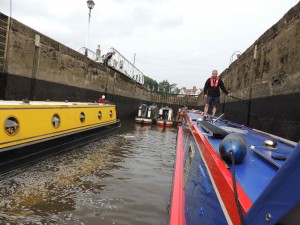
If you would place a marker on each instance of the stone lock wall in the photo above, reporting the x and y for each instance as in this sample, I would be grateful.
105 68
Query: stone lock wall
266 87
265 80
39 68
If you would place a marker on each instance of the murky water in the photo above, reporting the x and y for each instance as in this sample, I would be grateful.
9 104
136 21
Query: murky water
124 179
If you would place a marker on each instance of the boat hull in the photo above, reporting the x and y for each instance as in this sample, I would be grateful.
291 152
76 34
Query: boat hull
209 189
142 120
36 130
195 199
30 153
164 123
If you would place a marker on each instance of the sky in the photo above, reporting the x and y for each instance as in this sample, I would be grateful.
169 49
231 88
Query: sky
181 41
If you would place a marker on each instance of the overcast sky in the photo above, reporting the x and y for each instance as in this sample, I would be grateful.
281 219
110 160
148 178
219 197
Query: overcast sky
181 41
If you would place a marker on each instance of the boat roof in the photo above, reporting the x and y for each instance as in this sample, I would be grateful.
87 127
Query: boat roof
4 103
259 166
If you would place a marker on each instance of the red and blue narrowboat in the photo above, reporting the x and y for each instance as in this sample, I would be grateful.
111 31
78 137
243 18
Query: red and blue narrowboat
226 173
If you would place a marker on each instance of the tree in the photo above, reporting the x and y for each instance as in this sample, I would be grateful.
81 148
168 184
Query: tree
176 90
166 87
163 86
150 83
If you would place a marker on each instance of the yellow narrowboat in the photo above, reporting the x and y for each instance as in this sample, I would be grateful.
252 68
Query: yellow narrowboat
32 130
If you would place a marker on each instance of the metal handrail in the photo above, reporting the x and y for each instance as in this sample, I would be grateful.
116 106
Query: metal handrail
117 61
120 63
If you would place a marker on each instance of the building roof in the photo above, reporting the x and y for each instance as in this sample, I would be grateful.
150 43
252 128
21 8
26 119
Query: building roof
193 91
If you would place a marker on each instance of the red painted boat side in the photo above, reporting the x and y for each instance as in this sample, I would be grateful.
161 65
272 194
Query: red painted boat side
177 215
161 124
221 177
145 122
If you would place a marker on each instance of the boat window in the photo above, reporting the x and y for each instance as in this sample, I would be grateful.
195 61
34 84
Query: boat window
11 126
55 121
110 113
99 115
82 117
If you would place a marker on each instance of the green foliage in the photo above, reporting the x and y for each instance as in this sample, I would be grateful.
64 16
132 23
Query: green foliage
150 83
176 90
163 86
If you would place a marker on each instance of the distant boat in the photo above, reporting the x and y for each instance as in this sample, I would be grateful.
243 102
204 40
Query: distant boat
226 173
165 117
147 115
32 130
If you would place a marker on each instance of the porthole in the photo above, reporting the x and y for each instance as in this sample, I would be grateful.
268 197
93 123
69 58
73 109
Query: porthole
55 120
11 126
99 115
110 113
82 117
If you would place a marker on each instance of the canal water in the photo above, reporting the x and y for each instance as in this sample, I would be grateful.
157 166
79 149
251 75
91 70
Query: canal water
125 179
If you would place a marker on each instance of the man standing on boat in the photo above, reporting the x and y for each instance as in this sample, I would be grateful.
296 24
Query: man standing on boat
144 108
212 92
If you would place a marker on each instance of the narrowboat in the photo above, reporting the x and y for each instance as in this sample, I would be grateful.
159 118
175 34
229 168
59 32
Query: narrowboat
32 130
226 173
165 117
147 115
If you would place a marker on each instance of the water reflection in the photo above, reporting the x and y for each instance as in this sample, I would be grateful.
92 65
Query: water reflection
124 179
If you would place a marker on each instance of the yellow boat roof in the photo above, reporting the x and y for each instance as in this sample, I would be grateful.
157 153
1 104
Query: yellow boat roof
48 103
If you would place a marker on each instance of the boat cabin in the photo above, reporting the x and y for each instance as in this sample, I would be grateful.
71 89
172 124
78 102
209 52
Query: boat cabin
165 117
